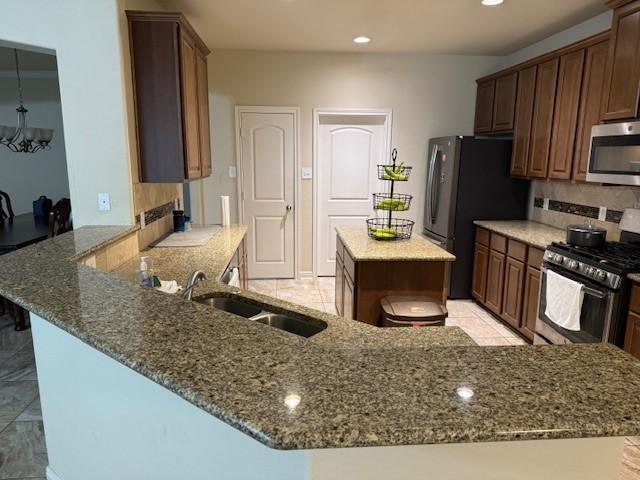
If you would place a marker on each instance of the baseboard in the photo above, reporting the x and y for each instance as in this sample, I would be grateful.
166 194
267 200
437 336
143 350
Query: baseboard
51 475
306 274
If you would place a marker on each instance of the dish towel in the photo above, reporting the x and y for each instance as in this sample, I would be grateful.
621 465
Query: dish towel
564 301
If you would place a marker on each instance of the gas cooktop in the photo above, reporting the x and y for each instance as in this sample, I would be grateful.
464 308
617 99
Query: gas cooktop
618 257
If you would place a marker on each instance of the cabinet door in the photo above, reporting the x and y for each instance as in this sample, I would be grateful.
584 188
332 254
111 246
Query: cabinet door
565 117
203 113
339 297
504 103
632 335
514 271
524 116
620 99
542 122
479 280
348 298
495 282
590 105
484 106
530 304
190 110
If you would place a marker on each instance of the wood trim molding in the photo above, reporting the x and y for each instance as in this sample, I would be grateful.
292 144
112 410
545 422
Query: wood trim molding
616 3
572 47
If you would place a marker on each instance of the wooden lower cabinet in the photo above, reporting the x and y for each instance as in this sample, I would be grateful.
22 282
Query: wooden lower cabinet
530 304
339 297
513 290
508 281
479 281
632 334
495 282
348 298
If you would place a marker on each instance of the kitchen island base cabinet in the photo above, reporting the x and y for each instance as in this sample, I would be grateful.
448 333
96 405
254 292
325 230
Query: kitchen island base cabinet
134 428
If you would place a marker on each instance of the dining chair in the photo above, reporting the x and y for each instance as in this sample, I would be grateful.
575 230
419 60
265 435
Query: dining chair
60 218
9 213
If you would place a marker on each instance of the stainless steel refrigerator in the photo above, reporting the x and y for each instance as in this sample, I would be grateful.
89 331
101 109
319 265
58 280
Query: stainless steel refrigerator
468 179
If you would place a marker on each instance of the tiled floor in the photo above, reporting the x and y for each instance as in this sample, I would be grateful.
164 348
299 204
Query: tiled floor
22 448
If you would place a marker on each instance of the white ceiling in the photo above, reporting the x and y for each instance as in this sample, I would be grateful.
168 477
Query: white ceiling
434 26
27 60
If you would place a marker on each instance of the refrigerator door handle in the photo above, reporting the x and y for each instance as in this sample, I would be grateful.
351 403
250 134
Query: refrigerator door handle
434 191
432 161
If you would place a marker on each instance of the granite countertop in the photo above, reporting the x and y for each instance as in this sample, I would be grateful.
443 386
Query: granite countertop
417 248
635 277
358 386
533 233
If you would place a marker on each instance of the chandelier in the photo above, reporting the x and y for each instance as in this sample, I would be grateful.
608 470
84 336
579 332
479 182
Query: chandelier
22 138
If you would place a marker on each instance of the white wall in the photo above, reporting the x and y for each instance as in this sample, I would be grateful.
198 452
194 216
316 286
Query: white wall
86 38
431 95
27 176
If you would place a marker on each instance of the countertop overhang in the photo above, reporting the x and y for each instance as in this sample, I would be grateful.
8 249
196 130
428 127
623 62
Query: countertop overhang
358 386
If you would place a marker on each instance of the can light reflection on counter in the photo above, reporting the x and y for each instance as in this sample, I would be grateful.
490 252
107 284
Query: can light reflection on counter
292 401
465 393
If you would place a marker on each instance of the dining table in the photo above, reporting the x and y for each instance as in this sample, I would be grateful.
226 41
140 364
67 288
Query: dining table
18 232
21 231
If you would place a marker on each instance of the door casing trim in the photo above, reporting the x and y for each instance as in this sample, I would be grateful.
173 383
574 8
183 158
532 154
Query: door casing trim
295 111
387 113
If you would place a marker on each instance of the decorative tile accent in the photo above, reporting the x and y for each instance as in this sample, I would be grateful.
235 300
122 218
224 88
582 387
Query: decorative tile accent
156 213
613 216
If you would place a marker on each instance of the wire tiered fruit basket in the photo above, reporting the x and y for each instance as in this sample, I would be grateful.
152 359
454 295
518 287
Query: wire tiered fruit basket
385 227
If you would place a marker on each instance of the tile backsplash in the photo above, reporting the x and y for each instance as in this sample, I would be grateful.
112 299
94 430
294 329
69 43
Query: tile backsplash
571 203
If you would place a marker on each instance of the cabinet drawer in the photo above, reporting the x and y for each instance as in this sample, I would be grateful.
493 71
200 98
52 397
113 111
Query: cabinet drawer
535 257
498 243
517 250
482 236
339 248
349 265
634 305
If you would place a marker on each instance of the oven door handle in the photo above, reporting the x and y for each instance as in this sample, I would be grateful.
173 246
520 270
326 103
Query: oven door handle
588 290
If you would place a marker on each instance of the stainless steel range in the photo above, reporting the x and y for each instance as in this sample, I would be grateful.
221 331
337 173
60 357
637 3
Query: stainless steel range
603 274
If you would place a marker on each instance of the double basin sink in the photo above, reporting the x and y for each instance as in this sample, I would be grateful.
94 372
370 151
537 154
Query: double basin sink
304 327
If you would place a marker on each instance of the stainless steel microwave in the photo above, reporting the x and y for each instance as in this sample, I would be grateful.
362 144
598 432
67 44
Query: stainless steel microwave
615 154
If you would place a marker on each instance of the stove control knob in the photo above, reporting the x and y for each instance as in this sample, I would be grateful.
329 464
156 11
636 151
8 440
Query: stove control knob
601 276
573 264
558 258
590 271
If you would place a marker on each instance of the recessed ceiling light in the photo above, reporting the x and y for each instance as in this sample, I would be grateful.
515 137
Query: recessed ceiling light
492 3
361 39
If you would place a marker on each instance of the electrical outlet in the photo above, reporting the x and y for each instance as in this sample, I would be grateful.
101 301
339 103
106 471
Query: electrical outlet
104 202
545 204
602 214
306 173
233 172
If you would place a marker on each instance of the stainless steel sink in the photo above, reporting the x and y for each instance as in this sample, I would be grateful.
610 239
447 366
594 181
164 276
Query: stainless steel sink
303 328
242 309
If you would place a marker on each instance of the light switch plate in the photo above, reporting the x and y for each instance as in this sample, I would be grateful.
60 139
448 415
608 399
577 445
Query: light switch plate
545 204
104 202
602 214
306 173
232 171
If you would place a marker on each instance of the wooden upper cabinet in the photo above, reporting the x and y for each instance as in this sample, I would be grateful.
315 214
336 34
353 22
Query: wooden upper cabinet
565 117
504 103
542 121
523 116
484 106
169 75
589 113
620 99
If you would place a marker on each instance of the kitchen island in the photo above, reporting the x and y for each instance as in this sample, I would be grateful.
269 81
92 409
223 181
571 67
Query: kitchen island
139 384
368 270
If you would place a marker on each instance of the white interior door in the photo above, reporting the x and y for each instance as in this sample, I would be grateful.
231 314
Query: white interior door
349 148
267 157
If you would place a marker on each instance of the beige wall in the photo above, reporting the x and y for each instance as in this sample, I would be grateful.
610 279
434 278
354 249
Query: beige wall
430 95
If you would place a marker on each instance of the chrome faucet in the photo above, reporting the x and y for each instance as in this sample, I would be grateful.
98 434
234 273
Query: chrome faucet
195 278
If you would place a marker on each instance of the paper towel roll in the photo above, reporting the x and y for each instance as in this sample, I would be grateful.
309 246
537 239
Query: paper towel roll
226 215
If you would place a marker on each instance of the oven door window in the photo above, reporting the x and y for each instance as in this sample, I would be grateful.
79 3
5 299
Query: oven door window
594 315
617 154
